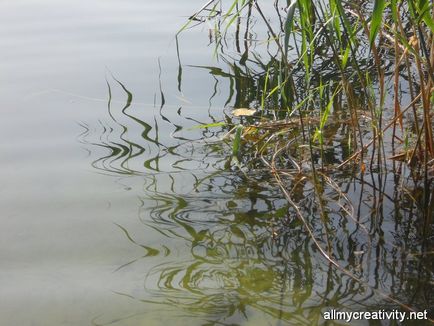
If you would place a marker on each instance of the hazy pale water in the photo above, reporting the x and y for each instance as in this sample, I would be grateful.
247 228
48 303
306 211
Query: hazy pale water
118 213
59 244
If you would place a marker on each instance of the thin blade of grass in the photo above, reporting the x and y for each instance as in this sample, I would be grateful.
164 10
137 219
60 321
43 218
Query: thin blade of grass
377 16
209 125
289 23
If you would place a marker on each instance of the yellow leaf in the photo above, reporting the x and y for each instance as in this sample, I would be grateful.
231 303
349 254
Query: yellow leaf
243 112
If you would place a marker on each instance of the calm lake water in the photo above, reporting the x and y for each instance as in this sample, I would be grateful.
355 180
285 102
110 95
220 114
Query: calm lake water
117 210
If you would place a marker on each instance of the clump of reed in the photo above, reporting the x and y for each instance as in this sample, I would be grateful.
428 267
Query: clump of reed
333 55
327 74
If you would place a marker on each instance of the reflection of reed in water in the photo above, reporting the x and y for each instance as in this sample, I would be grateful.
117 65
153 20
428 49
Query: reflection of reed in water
234 266
232 248
246 258
135 141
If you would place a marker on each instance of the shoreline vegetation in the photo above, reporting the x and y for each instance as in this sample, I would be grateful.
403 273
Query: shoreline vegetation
327 90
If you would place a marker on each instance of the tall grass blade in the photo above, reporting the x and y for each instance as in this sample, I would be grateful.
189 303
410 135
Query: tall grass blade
289 24
377 16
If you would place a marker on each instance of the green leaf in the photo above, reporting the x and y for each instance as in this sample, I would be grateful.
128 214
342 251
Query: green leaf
209 125
377 16
345 57
342 16
318 135
326 113
424 9
394 7
289 23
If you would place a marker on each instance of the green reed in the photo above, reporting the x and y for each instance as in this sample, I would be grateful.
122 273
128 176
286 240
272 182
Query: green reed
342 44
357 74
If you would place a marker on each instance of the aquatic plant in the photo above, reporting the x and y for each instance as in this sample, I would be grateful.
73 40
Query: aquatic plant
337 85
341 47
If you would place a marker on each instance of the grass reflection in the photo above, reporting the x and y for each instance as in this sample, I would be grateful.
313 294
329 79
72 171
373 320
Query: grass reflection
231 249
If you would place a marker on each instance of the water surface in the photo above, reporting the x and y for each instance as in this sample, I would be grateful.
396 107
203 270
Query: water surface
117 210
